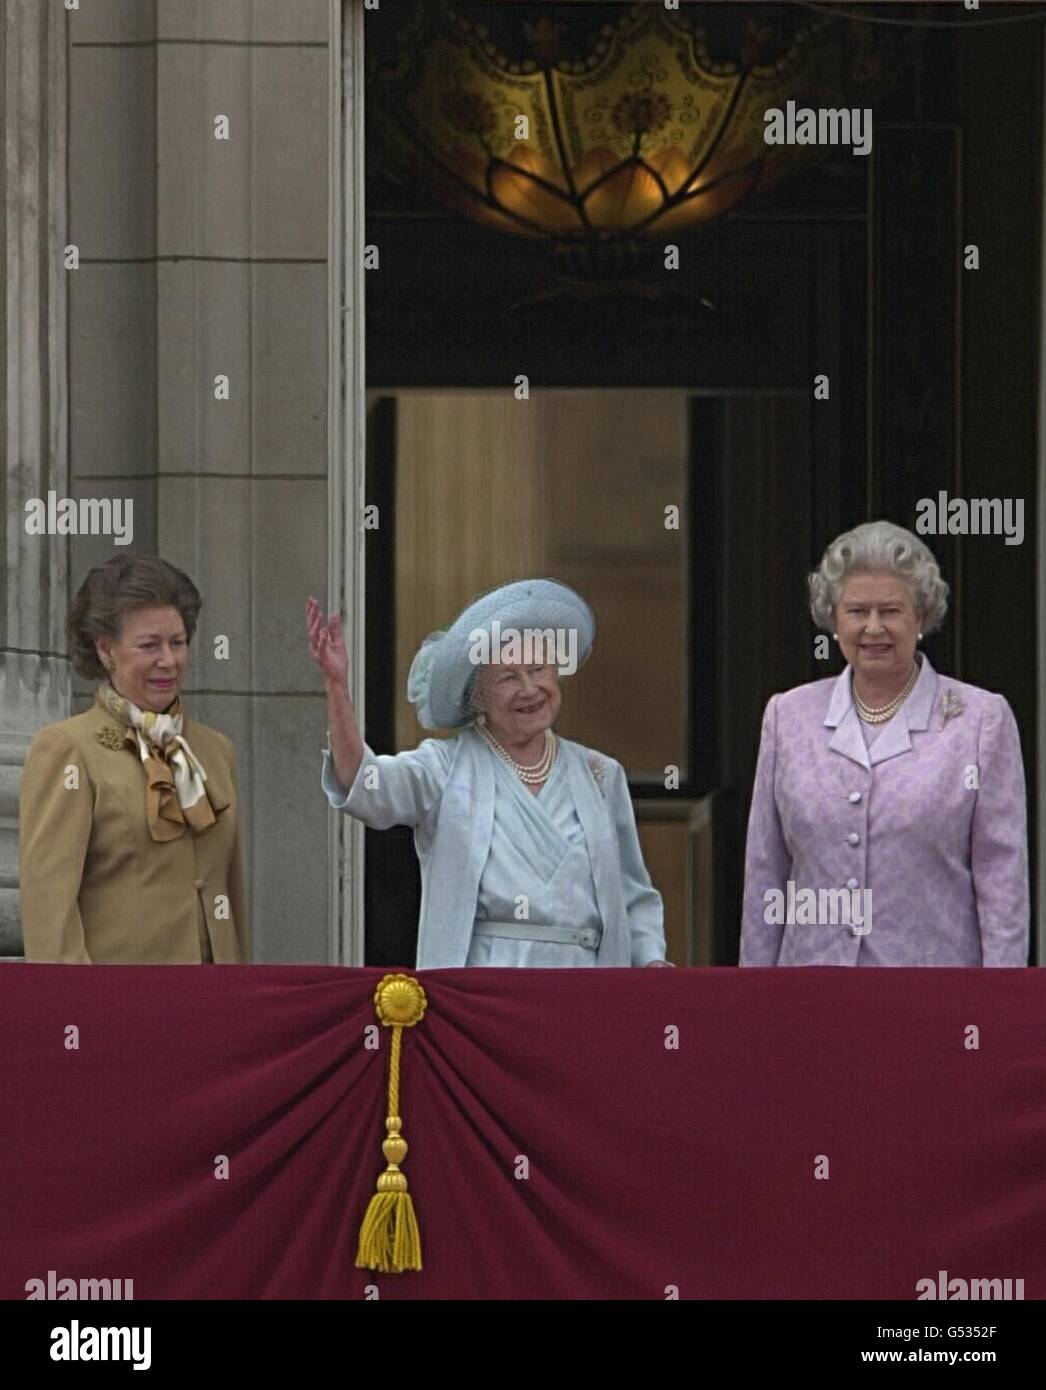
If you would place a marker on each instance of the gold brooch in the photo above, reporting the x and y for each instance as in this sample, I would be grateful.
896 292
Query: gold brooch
111 737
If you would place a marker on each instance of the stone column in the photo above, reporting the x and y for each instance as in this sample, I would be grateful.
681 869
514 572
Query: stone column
34 673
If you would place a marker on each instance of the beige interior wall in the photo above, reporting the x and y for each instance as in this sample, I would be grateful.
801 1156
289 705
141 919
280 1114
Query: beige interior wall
566 485
470 510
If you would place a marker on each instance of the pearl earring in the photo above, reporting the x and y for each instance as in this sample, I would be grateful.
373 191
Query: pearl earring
481 719
920 637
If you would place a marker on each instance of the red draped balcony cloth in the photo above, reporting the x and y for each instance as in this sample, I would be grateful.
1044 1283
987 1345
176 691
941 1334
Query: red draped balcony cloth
805 1133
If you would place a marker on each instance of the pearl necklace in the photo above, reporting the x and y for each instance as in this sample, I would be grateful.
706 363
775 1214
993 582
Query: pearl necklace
536 772
881 713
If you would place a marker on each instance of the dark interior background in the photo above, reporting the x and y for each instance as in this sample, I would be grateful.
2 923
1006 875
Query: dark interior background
854 270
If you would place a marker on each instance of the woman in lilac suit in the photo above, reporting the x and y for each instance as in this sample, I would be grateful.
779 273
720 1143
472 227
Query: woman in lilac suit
888 817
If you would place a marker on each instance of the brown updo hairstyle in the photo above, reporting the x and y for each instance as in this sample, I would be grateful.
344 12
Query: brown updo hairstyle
113 590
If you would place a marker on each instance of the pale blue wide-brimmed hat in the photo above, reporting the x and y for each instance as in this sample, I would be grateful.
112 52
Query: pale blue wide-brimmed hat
445 665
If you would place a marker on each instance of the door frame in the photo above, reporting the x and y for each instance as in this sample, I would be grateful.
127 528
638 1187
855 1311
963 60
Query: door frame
346 435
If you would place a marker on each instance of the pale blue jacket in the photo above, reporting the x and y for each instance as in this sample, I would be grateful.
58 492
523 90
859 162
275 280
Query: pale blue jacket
445 789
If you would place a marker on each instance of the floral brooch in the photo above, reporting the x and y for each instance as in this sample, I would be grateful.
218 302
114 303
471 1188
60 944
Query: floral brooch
598 769
951 706
111 737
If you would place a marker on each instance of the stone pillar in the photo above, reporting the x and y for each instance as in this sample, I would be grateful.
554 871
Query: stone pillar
34 673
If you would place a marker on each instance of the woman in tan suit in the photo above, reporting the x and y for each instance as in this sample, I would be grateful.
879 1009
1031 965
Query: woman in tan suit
130 838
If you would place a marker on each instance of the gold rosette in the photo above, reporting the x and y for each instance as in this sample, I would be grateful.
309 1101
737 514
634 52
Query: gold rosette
389 1238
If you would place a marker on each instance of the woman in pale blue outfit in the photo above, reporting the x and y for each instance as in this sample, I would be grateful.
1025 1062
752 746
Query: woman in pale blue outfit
527 842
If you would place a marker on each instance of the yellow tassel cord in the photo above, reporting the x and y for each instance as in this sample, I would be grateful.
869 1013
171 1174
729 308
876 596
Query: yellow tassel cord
390 1241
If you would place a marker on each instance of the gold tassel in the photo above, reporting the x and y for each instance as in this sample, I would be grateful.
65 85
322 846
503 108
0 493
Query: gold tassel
389 1237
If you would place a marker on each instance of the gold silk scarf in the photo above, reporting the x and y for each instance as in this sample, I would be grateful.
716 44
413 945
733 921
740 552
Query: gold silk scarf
175 794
